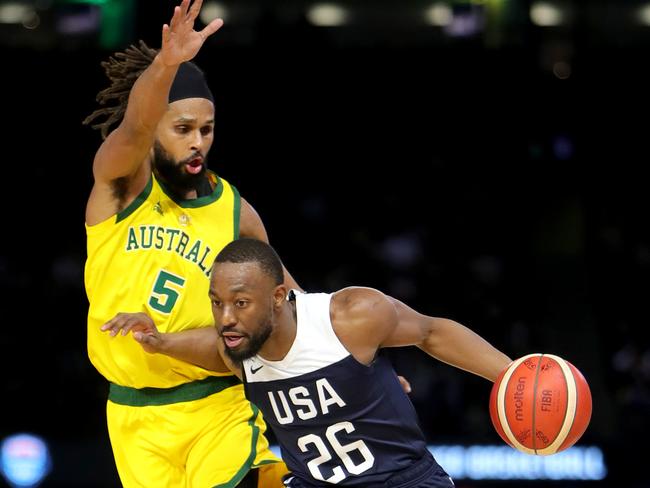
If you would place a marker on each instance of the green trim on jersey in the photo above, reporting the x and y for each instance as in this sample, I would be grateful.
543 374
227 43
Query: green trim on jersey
135 204
248 464
264 462
187 392
236 211
195 202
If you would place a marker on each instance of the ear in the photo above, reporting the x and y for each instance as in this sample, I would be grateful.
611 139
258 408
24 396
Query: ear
279 296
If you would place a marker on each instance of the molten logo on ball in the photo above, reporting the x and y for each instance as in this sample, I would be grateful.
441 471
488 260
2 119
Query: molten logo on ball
540 404
519 399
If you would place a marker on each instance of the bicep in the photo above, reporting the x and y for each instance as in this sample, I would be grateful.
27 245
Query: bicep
410 328
121 154
363 319
250 223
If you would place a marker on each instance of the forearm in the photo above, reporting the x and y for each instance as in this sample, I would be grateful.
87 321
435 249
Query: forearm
149 96
196 346
459 346
125 149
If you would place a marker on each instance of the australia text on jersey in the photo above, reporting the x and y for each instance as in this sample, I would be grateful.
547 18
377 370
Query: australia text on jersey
156 237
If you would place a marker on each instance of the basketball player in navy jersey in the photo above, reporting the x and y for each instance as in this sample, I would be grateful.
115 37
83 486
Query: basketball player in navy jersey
309 362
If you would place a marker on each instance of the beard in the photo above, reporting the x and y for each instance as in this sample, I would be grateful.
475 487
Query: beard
173 173
255 343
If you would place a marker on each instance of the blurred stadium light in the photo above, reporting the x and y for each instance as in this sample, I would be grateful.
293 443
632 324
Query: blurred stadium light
111 24
72 23
214 10
111 19
546 14
484 462
24 460
328 15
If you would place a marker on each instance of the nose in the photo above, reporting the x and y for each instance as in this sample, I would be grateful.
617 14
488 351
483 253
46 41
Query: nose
196 144
228 318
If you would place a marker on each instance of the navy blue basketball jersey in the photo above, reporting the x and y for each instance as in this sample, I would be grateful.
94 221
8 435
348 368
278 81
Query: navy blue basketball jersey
336 420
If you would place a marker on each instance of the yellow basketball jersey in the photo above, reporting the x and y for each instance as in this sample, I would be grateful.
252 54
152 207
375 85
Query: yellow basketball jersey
155 256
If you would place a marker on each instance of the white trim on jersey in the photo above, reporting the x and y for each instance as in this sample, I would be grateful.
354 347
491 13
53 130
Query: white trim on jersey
315 346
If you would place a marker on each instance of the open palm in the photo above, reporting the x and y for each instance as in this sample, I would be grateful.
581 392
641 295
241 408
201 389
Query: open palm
180 42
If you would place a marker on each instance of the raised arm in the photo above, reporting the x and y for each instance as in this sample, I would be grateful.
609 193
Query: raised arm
124 152
127 146
251 226
366 319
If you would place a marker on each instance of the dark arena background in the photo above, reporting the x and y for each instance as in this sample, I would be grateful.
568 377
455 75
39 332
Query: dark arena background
480 160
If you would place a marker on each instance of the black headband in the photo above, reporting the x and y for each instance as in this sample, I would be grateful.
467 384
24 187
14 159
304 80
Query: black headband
189 83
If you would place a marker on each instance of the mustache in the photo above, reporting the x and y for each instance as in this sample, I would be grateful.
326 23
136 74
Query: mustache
195 155
221 330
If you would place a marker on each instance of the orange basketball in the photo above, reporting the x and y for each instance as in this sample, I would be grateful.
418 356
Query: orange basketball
540 404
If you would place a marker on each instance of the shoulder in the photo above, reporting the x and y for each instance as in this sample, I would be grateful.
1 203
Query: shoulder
360 304
362 318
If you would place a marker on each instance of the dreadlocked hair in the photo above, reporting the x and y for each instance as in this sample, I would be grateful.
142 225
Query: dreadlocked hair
122 69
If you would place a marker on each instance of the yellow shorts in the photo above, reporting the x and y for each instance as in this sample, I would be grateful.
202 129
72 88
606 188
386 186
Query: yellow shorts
204 443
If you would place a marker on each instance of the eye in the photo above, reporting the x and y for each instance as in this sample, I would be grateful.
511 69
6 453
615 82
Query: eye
182 129
206 130
241 303
216 303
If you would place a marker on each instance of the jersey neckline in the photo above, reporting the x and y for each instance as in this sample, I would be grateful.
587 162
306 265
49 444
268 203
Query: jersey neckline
195 202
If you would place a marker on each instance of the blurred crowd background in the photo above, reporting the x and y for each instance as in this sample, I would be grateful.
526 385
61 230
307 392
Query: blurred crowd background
480 160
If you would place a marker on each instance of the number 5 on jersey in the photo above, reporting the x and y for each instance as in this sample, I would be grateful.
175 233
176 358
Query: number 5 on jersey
166 290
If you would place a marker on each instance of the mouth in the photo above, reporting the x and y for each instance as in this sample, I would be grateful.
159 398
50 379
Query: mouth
194 165
232 339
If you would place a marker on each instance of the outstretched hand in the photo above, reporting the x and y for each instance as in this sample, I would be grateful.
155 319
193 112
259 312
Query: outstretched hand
142 327
180 42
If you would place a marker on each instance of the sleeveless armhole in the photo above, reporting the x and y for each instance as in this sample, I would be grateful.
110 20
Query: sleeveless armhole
124 213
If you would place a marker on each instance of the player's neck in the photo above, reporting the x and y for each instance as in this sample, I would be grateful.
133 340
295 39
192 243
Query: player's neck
203 188
281 339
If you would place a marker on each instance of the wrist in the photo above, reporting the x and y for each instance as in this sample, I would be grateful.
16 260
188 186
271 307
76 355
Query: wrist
164 65
164 340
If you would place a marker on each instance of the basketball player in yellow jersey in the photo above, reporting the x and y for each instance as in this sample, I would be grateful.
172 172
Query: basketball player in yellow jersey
155 220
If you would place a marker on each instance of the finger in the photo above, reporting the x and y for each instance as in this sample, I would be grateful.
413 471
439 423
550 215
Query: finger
117 326
116 319
134 322
165 34
143 338
107 325
194 10
112 325
175 18
185 4
211 28
127 327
